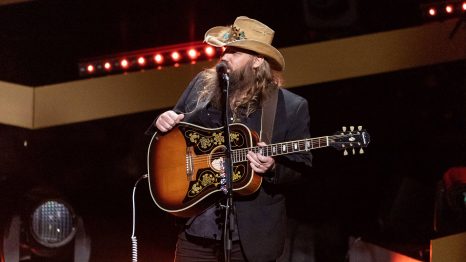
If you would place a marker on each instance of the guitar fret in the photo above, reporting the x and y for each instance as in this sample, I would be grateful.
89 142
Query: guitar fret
240 155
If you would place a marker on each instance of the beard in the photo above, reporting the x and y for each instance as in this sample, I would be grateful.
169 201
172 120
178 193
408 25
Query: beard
242 78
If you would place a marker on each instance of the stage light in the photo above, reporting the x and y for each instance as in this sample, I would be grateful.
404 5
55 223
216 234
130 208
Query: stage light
175 56
449 9
192 53
53 223
158 58
124 63
439 10
90 68
209 51
154 58
46 228
141 61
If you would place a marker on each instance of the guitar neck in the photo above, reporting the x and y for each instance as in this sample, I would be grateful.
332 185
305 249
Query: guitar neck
239 155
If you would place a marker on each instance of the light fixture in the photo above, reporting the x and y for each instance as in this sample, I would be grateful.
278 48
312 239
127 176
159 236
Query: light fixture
449 9
443 9
124 63
53 223
175 55
157 58
209 51
141 61
46 229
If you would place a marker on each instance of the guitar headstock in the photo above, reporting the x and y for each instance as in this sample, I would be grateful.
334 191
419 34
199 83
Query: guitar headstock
350 139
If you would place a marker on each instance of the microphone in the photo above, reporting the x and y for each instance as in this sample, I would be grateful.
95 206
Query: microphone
222 70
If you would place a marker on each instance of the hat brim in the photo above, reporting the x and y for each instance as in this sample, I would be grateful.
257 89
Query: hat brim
214 37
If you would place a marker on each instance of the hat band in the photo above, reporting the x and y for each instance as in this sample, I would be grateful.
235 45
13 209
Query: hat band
235 34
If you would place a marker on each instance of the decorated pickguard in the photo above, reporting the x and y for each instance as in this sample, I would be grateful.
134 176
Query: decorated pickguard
206 144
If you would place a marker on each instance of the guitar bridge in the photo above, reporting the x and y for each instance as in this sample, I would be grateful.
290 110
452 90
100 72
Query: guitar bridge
189 164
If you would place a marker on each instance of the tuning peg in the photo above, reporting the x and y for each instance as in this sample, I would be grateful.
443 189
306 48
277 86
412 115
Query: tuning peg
351 128
354 152
343 128
345 152
360 128
361 151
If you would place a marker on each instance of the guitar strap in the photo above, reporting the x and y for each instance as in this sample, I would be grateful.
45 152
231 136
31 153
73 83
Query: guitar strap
269 109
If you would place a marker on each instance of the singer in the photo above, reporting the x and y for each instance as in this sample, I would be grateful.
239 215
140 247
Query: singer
253 68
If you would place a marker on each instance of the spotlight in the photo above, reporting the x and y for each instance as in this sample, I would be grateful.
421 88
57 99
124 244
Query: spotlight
158 58
90 69
193 54
107 66
449 9
124 63
209 51
53 223
154 58
141 61
438 10
175 56
46 229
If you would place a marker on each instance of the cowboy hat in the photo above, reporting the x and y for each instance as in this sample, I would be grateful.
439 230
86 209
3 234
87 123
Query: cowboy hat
249 34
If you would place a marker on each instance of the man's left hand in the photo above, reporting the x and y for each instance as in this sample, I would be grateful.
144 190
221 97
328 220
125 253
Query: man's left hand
259 163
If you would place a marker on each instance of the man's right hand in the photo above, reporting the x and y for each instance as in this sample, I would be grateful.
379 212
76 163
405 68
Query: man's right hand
168 120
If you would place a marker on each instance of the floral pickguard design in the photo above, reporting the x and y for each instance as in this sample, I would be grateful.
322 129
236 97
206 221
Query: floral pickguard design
203 143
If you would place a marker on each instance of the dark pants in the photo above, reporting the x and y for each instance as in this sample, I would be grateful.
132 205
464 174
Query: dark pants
190 249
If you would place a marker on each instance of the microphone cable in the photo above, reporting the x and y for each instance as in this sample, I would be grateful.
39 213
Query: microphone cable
134 241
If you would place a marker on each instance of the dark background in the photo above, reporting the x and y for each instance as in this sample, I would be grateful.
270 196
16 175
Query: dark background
416 119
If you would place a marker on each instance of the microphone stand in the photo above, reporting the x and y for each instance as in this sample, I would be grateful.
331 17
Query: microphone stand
229 222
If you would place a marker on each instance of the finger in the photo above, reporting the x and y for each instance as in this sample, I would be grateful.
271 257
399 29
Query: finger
263 159
179 118
170 117
256 167
255 164
166 121
252 157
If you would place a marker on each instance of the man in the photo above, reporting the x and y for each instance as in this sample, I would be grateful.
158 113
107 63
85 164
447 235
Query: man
254 67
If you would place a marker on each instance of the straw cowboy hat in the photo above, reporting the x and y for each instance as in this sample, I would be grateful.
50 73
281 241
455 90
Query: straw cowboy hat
249 34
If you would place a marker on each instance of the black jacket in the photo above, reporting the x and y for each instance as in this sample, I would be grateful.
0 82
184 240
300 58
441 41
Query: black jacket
261 217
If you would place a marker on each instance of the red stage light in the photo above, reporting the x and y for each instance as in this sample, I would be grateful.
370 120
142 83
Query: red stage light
192 53
90 68
463 6
209 51
432 11
175 56
141 61
158 58
124 63
449 9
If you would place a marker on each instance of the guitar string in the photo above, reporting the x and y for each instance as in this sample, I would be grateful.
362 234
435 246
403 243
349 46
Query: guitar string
242 152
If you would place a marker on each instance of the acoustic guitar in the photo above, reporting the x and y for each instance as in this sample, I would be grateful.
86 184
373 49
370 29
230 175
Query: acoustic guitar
185 165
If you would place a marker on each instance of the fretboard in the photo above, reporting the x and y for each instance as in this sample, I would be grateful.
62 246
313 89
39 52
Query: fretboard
239 155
